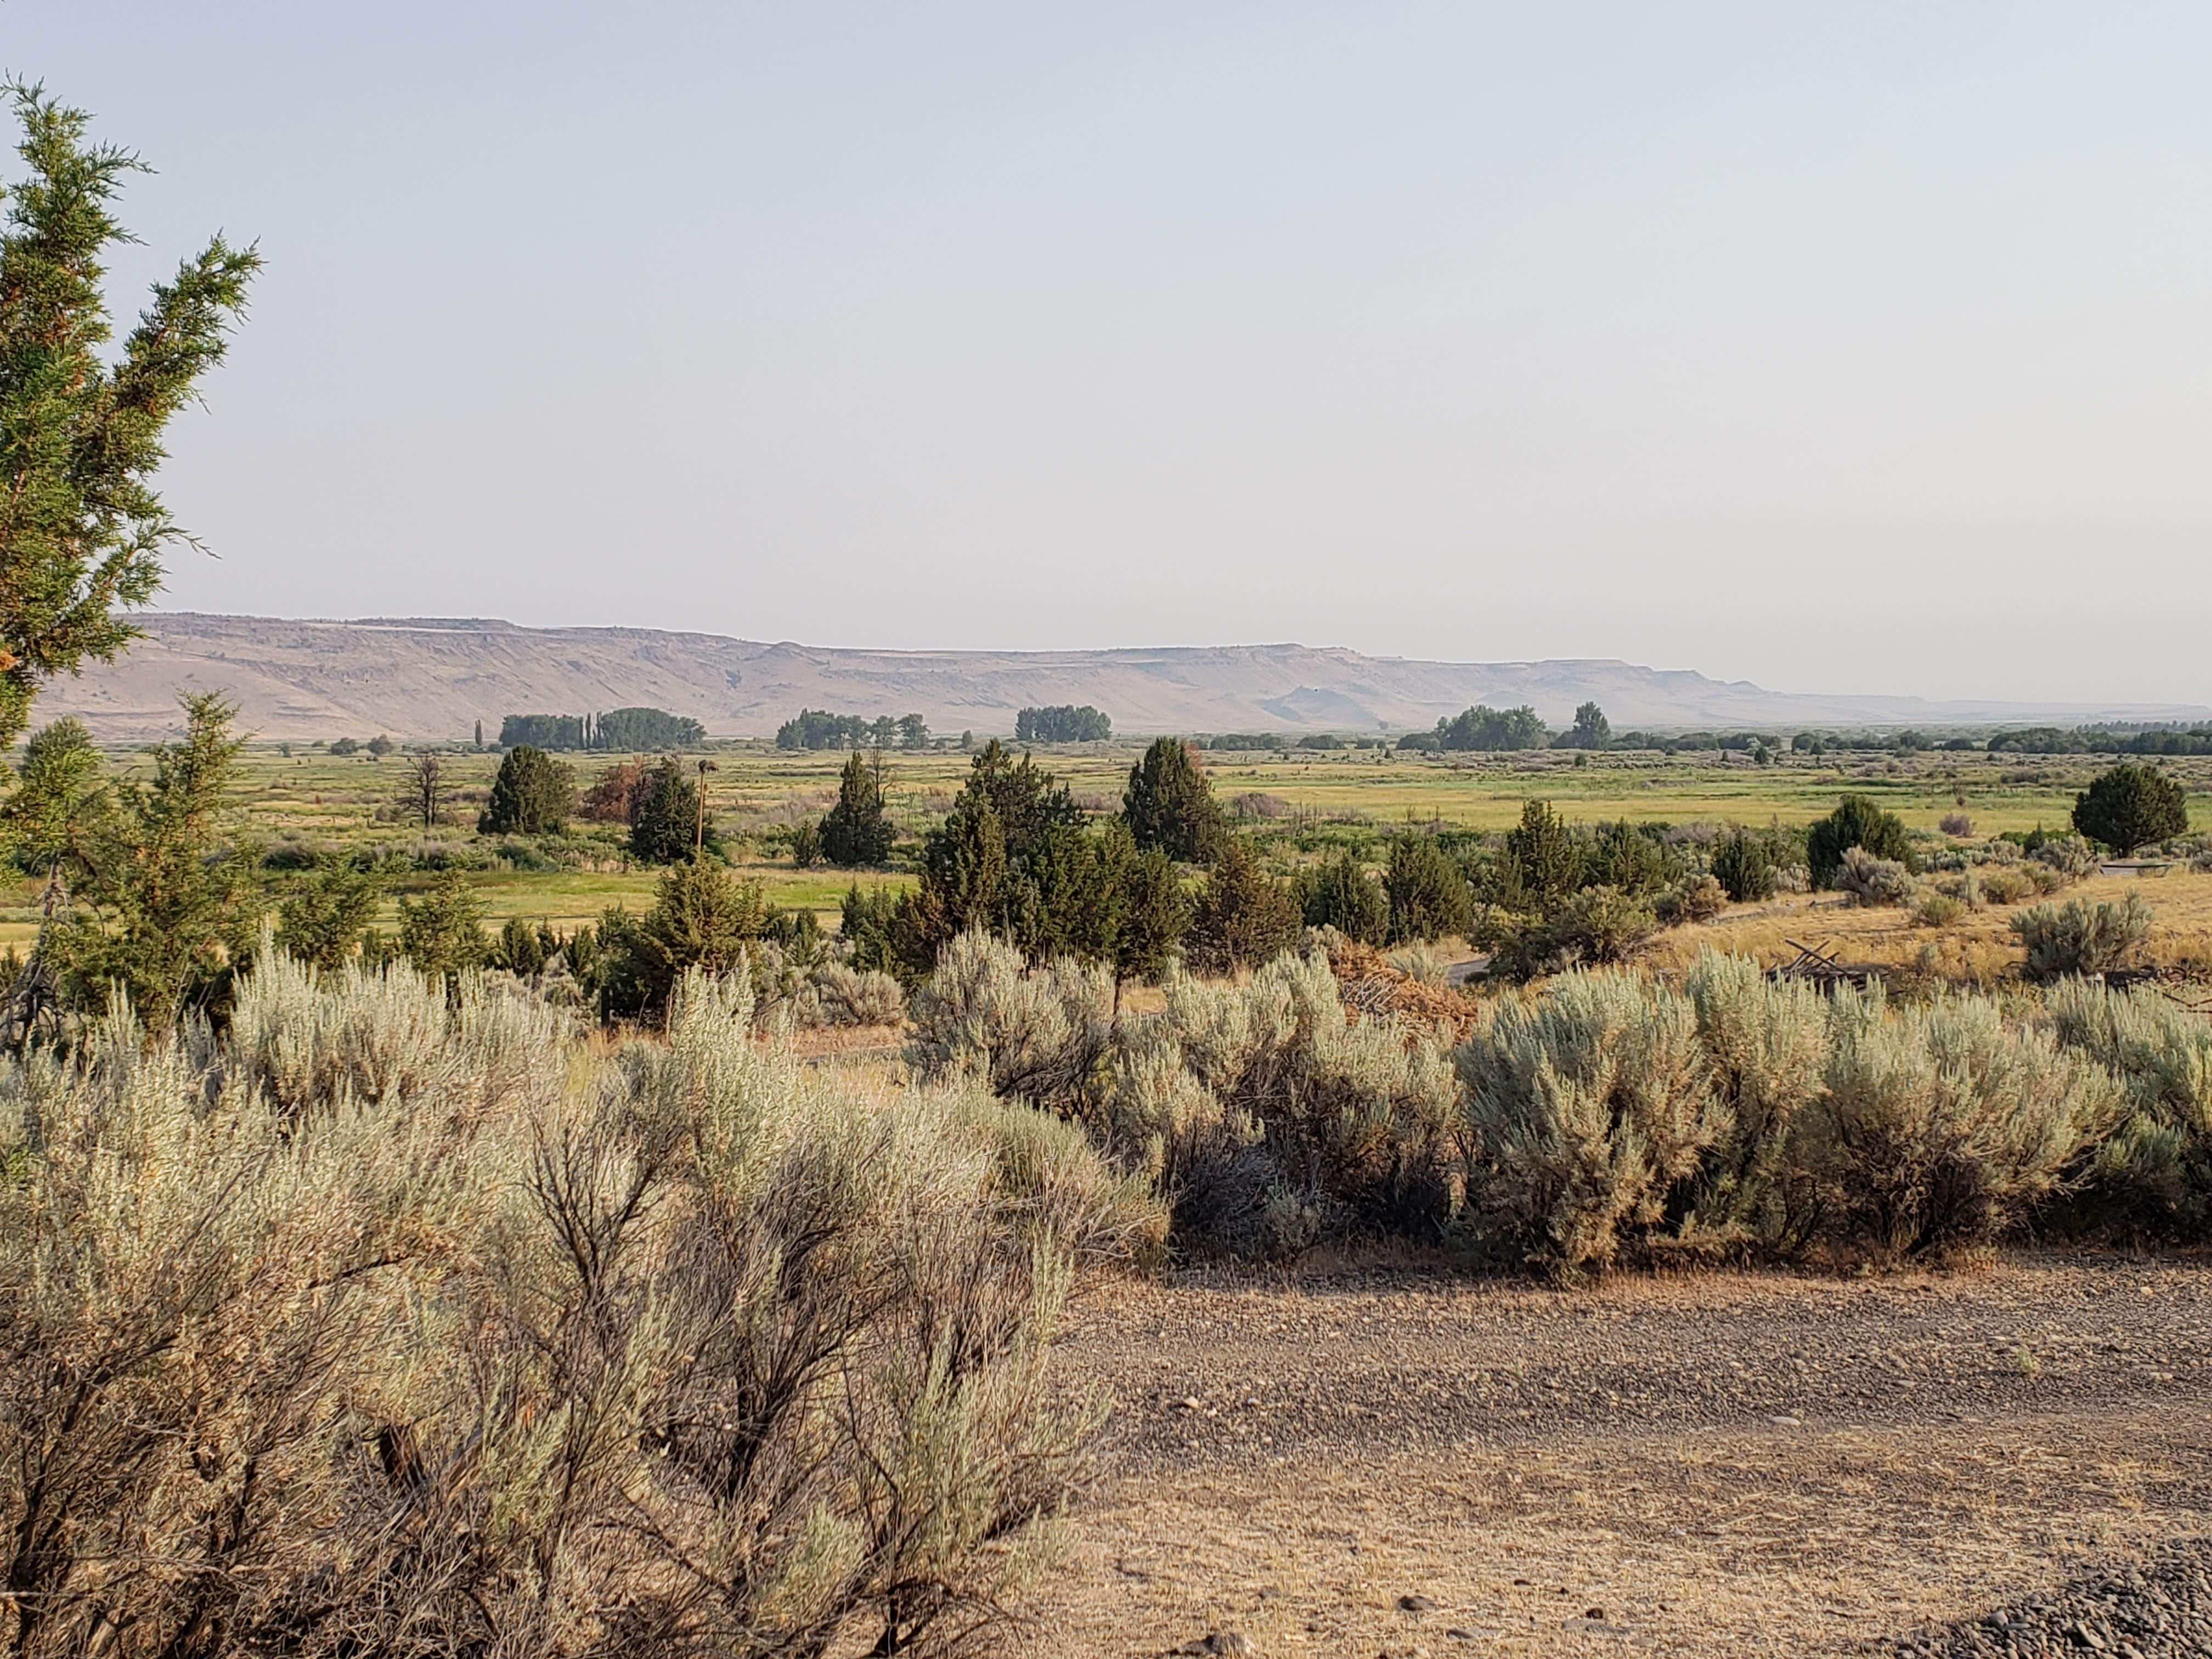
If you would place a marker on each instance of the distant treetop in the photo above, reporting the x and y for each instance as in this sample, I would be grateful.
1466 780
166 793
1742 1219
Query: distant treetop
1485 727
1062 723
818 729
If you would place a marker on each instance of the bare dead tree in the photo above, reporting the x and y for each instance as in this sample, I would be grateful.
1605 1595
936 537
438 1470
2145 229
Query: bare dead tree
426 789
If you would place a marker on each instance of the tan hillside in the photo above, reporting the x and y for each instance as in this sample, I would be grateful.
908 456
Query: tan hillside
430 678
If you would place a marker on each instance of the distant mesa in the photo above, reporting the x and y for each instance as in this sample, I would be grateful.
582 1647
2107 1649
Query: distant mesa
410 676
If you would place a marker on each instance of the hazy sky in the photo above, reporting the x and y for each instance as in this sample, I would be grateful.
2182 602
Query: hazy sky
1858 347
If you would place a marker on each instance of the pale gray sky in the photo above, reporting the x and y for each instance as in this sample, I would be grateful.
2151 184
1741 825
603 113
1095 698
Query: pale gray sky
1861 347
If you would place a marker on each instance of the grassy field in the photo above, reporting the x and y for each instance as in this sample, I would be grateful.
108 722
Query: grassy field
756 793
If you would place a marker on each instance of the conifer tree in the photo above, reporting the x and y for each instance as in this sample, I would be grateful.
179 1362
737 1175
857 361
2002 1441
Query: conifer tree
1170 804
1428 897
1342 895
81 437
2131 806
858 829
168 904
533 795
1244 917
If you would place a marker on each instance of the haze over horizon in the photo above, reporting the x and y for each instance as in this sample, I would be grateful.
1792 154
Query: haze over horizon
1859 351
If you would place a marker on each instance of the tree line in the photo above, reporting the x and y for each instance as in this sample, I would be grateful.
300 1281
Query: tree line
618 729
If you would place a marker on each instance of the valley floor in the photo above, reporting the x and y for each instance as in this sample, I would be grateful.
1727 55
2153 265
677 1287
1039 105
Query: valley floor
1386 1462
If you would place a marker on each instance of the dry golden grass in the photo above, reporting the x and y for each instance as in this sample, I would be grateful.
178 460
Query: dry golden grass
1979 948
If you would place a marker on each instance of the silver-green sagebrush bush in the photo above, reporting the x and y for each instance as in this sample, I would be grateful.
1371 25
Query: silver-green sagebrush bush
2154 1175
1587 1106
2078 937
394 1324
1941 1124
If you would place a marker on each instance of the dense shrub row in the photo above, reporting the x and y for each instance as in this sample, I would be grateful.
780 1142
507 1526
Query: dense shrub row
402 1324
1606 1117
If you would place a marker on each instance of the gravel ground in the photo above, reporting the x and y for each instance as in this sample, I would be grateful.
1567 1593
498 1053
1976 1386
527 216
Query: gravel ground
1396 1461
2161 1607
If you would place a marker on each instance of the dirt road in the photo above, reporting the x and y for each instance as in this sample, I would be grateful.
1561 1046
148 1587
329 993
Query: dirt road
1395 1461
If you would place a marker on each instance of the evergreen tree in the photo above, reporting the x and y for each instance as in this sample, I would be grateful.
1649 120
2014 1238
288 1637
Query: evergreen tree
665 816
1857 821
2131 806
987 864
168 903
702 916
858 829
1428 897
1543 851
1152 915
1622 855
1170 804
57 798
1244 917
1742 868
81 435
441 933
324 913
531 795
1342 895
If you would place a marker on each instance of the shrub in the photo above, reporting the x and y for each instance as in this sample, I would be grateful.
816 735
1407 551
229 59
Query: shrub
1586 1108
1698 899
1276 1121
2002 883
1872 881
2130 806
1942 1126
2154 1173
1857 821
2079 939
1766 1043
1042 1036
2071 856
857 997
1934 909
504 1348
1742 868
1956 825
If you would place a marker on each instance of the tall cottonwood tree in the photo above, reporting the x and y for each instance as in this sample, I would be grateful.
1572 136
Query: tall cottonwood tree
82 531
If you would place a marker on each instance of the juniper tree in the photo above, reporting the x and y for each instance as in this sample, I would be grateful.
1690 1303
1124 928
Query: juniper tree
1244 917
168 902
531 795
442 932
664 818
1342 895
858 830
1857 821
2131 806
324 913
1428 897
1543 848
1170 804
82 531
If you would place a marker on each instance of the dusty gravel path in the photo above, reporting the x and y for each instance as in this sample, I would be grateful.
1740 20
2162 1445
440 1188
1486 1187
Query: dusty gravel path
1727 1464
